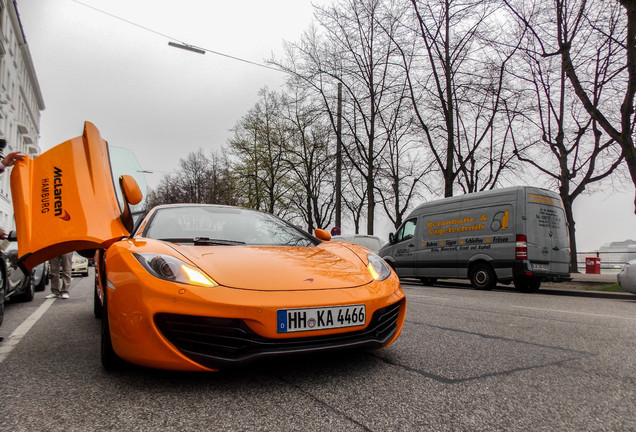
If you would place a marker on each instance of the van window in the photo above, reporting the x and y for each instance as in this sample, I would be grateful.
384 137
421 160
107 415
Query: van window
406 231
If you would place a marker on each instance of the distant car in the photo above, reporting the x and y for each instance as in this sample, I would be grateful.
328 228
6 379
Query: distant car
627 277
370 242
80 265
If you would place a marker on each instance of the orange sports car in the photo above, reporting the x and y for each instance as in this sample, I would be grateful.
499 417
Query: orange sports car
197 287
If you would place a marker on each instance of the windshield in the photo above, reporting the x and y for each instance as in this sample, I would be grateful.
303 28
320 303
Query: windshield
217 225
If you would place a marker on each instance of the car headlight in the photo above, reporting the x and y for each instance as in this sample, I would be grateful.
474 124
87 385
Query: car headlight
169 268
378 268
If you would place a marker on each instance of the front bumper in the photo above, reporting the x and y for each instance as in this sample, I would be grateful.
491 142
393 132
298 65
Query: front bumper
222 342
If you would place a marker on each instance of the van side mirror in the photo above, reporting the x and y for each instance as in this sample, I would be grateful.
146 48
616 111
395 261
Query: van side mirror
322 234
391 238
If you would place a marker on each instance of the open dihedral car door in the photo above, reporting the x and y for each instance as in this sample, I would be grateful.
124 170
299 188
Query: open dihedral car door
64 200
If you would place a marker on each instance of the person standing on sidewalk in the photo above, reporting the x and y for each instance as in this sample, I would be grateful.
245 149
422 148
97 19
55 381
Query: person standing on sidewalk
64 262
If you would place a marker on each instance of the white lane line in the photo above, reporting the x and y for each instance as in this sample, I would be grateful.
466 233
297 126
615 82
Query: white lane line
574 312
12 341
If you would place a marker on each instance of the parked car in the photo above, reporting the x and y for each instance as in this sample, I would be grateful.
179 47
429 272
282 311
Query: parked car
80 265
627 277
370 242
20 286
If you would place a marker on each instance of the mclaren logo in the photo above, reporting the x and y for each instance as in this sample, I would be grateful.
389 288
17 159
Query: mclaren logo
57 195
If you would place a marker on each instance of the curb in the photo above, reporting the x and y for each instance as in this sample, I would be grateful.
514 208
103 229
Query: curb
544 289
587 293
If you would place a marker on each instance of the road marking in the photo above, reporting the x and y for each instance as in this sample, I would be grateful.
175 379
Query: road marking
531 308
12 341
426 296
576 313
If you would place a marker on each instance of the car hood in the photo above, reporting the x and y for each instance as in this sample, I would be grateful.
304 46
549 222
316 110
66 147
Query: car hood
277 268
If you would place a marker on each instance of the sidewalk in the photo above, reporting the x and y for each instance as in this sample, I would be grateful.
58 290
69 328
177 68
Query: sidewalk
594 278
582 284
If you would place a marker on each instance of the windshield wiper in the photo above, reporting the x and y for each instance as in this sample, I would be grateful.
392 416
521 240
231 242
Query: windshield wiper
202 241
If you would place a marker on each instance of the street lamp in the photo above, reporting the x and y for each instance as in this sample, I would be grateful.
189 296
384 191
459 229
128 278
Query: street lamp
186 47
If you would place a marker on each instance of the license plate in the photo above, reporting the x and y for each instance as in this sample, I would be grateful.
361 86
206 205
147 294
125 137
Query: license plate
540 267
320 318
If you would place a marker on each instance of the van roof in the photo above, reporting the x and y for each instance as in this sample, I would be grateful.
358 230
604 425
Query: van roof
500 191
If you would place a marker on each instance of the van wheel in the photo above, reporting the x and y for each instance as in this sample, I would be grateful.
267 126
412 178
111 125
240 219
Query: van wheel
527 284
482 277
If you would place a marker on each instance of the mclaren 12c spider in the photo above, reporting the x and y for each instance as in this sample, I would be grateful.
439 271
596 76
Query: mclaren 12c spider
198 287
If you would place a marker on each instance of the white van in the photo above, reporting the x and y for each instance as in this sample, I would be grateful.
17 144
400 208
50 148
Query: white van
516 234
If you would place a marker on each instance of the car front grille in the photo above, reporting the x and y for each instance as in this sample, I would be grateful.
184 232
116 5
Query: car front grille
221 342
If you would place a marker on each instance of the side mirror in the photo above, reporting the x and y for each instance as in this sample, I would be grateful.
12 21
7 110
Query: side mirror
132 195
12 236
130 189
322 234
391 238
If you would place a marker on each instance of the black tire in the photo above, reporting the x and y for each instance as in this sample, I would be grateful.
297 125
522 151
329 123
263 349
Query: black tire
428 280
527 284
41 286
29 291
482 277
97 304
110 360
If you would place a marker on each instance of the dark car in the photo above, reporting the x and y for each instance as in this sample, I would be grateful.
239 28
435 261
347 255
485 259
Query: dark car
20 286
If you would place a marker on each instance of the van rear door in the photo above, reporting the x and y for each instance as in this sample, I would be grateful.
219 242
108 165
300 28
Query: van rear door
547 234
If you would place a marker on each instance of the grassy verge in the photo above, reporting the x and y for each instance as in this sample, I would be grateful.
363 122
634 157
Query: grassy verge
615 287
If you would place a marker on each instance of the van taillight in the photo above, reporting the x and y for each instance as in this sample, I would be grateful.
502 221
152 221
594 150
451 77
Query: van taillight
521 247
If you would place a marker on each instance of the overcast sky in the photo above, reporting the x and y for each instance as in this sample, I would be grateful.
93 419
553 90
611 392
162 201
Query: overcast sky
164 103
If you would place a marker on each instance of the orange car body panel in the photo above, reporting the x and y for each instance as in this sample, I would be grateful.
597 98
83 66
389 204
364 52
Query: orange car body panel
64 200
139 296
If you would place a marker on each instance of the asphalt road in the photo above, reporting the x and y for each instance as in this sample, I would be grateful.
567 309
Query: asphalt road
466 361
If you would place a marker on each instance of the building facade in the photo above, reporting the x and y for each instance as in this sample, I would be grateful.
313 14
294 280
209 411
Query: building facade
21 100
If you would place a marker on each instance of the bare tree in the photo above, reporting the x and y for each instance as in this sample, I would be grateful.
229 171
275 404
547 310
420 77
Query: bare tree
348 46
259 146
457 87
582 28
310 157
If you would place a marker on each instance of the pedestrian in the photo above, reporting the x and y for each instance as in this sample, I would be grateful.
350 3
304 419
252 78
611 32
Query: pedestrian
7 161
63 263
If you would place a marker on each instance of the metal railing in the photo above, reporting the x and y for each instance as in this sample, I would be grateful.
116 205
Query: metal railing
610 260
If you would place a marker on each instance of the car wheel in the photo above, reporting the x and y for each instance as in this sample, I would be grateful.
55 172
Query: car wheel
97 304
110 360
527 284
482 277
29 291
